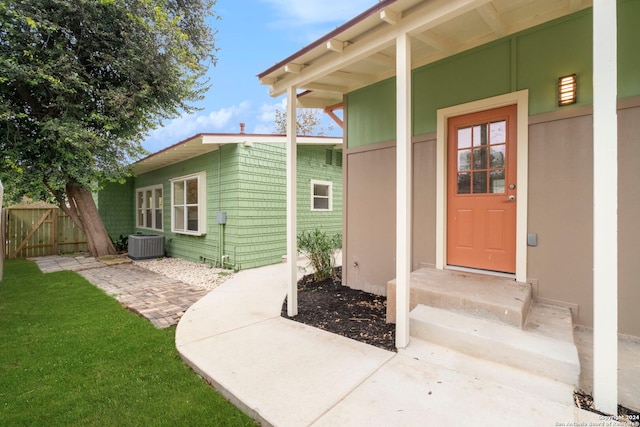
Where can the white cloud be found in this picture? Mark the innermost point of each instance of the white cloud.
(266, 116)
(301, 13)
(190, 124)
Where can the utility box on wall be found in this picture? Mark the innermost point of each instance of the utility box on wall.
(221, 217)
(145, 246)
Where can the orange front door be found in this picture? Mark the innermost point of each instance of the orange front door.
(482, 190)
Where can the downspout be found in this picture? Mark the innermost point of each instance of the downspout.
(220, 223)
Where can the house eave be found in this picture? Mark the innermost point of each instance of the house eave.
(204, 143)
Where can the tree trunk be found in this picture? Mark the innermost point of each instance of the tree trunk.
(83, 212)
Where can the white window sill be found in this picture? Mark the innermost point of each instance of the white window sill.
(189, 233)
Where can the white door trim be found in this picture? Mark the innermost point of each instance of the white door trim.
(521, 99)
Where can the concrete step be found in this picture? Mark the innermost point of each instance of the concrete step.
(507, 376)
(544, 347)
(497, 298)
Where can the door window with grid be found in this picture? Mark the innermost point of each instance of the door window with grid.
(481, 158)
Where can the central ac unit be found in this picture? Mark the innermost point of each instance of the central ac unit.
(145, 246)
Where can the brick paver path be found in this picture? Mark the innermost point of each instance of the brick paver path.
(156, 297)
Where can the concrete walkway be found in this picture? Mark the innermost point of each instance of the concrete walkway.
(284, 373)
(163, 301)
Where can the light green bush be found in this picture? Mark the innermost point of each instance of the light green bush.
(320, 249)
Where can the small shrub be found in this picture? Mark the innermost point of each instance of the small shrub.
(319, 248)
(121, 243)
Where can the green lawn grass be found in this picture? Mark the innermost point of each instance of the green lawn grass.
(71, 355)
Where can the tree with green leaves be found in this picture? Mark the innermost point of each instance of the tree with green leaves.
(308, 122)
(81, 84)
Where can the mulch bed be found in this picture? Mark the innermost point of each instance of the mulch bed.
(585, 401)
(361, 316)
(341, 310)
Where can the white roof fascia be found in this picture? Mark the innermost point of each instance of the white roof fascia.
(269, 139)
(205, 143)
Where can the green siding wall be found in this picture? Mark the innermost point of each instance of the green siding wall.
(313, 165)
(372, 114)
(259, 235)
(628, 52)
(250, 186)
(532, 59)
(181, 245)
(561, 48)
(477, 74)
(259, 228)
(115, 202)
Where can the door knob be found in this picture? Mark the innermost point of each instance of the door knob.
(511, 198)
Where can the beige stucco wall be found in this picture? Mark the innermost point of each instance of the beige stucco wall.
(629, 221)
(369, 240)
(560, 212)
(370, 217)
(424, 202)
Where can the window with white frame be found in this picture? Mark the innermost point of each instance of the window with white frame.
(188, 204)
(321, 195)
(149, 207)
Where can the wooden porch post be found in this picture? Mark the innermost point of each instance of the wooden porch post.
(292, 244)
(605, 206)
(403, 187)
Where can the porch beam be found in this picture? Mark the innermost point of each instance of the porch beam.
(490, 16)
(403, 187)
(329, 110)
(317, 101)
(322, 87)
(270, 81)
(293, 68)
(381, 59)
(436, 42)
(575, 5)
(292, 232)
(335, 45)
(347, 75)
(390, 16)
(605, 206)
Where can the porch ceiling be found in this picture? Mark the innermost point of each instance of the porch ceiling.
(362, 51)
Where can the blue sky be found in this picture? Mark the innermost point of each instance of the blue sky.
(252, 36)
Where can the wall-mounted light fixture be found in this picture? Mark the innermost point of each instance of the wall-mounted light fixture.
(567, 88)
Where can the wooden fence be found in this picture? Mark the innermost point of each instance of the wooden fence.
(33, 232)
